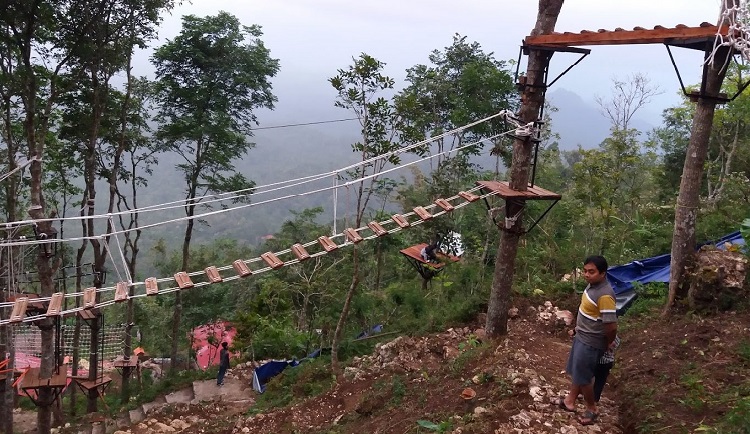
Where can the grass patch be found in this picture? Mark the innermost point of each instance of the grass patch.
(737, 420)
(469, 351)
(743, 352)
(695, 395)
(398, 390)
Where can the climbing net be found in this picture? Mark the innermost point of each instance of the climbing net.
(734, 31)
(28, 343)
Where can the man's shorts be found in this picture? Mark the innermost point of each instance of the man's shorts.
(582, 362)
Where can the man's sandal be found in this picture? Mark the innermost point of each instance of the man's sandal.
(560, 402)
(588, 418)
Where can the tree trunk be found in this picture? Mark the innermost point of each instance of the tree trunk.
(335, 365)
(686, 209)
(532, 101)
(76, 360)
(93, 395)
(6, 391)
(127, 351)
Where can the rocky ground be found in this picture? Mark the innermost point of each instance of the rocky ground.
(459, 382)
(455, 380)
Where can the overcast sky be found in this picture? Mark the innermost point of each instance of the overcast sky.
(314, 38)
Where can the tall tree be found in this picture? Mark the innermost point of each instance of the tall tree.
(359, 89)
(532, 100)
(40, 39)
(115, 29)
(209, 80)
(611, 181)
(461, 85)
(727, 149)
(133, 127)
(686, 209)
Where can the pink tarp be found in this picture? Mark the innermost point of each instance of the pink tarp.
(207, 341)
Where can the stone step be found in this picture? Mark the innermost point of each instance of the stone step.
(136, 415)
(232, 390)
(158, 402)
(181, 396)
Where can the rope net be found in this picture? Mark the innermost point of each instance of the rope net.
(28, 343)
(736, 21)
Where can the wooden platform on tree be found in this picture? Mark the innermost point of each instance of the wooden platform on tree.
(680, 35)
(34, 305)
(130, 362)
(415, 252)
(32, 380)
(86, 384)
(88, 314)
(502, 189)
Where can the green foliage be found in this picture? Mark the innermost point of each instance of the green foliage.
(304, 381)
(466, 355)
(743, 351)
(737, 419)
(206, 104)
(695, 397)
(651, 297)
(398, 390)
(442, 427)
(471, 342)
(462, 84)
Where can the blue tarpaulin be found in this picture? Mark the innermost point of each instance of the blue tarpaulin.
(654, 269)
(268, 370)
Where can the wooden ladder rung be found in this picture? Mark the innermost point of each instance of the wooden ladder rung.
(121, 292)
(152, 286)
(272, 260)
(444, 204)
(327, 244)
(377, 229)
(183, 280)
(213, 274)
(19, 309)
(422, 213)
(400, 221)
(470, 197)
(55, 304)
(300, 252)
(241, 268)
(352, 235)
(89, 298)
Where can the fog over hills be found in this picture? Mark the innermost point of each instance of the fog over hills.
(582, 123)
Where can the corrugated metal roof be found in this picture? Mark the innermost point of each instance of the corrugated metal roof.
(638, 35)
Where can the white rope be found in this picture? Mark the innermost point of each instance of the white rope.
(736, 21)
(282, 184)
(122, 256)
(289, 196)
(17, 168)
(111, 258)
(335, 201)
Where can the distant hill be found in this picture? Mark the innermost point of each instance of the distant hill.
(581, 122)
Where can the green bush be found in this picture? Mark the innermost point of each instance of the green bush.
(737, 419)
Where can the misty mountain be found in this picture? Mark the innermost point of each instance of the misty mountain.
(582, 123)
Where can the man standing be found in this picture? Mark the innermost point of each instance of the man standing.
(596, 329)
(223, 364)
